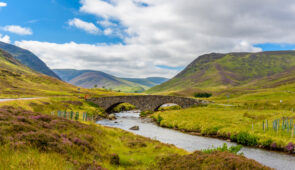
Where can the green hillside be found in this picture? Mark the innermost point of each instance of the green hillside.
(148, 82)
(91, 78)
(234, 71)
(17, 80)
(28, 59)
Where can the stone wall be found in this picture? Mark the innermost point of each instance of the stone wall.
(144, 103)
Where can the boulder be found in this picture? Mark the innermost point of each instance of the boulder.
(134, 128)
(112, 117)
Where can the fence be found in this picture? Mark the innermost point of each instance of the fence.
(74, 115)
(283, 126)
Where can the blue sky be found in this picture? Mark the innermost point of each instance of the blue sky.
(141, 38)
(48, 20)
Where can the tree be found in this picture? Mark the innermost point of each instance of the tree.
(95, 86)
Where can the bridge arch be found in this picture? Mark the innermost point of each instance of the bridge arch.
(161, 105)
(144, 102)
(111, 108)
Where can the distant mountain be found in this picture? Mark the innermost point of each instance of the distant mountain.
(18, 80)
(90, 78)
(148, 82)
(28, 58)
(218, 72)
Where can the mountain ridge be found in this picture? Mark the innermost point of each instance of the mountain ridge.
(28, 59)
(219, 71)
(90, 78)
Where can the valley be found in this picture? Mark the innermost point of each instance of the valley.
(42, 140)
(147, 85)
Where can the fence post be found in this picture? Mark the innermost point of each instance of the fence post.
(77, 116)
(71, 116)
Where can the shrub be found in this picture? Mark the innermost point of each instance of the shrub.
(115, 159)
(215, 160)
(246, 139)
(290, 147)
(267, 143)
(145, 113)
(174, 107)
(274, 146)
(224, 148)
(159, 119)
(203, 95)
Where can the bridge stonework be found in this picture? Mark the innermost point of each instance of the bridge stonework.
(144, 102)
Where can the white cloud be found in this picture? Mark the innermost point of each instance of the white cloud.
(108, 31)
(172, 33)
(106, 23)
(244, 46)
(17, 30)
(5, 38)
(3, 4)
(107, 58)
(86, 26)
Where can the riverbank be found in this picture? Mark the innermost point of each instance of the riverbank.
(232, 123)
(191, 143)
(31, 138)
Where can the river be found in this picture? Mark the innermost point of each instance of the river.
(147, 128)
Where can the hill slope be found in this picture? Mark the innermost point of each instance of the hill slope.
(28, 58)
(217, 72)
(90, 78)
(18, 80)
(149, 82)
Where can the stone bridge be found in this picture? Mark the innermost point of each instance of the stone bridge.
(144, 102)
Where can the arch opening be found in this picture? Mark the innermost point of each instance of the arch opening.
(120, 107)
(168, 106)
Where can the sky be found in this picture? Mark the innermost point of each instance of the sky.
(144, 38)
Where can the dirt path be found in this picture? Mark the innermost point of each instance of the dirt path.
(8, 100)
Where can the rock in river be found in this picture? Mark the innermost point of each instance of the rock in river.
(134, 128)
(112, 117)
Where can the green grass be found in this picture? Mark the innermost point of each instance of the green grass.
(230, 122)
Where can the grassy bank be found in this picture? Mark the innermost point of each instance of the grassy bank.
(54, 104)
(241, 125)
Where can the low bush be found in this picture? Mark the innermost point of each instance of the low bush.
(224, 148)
(174, 107)
(146, 113)
(290, 147)
(215, 160)
(159, 118)
(203, 95)
(245, 138)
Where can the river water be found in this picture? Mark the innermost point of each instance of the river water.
(125, 120)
